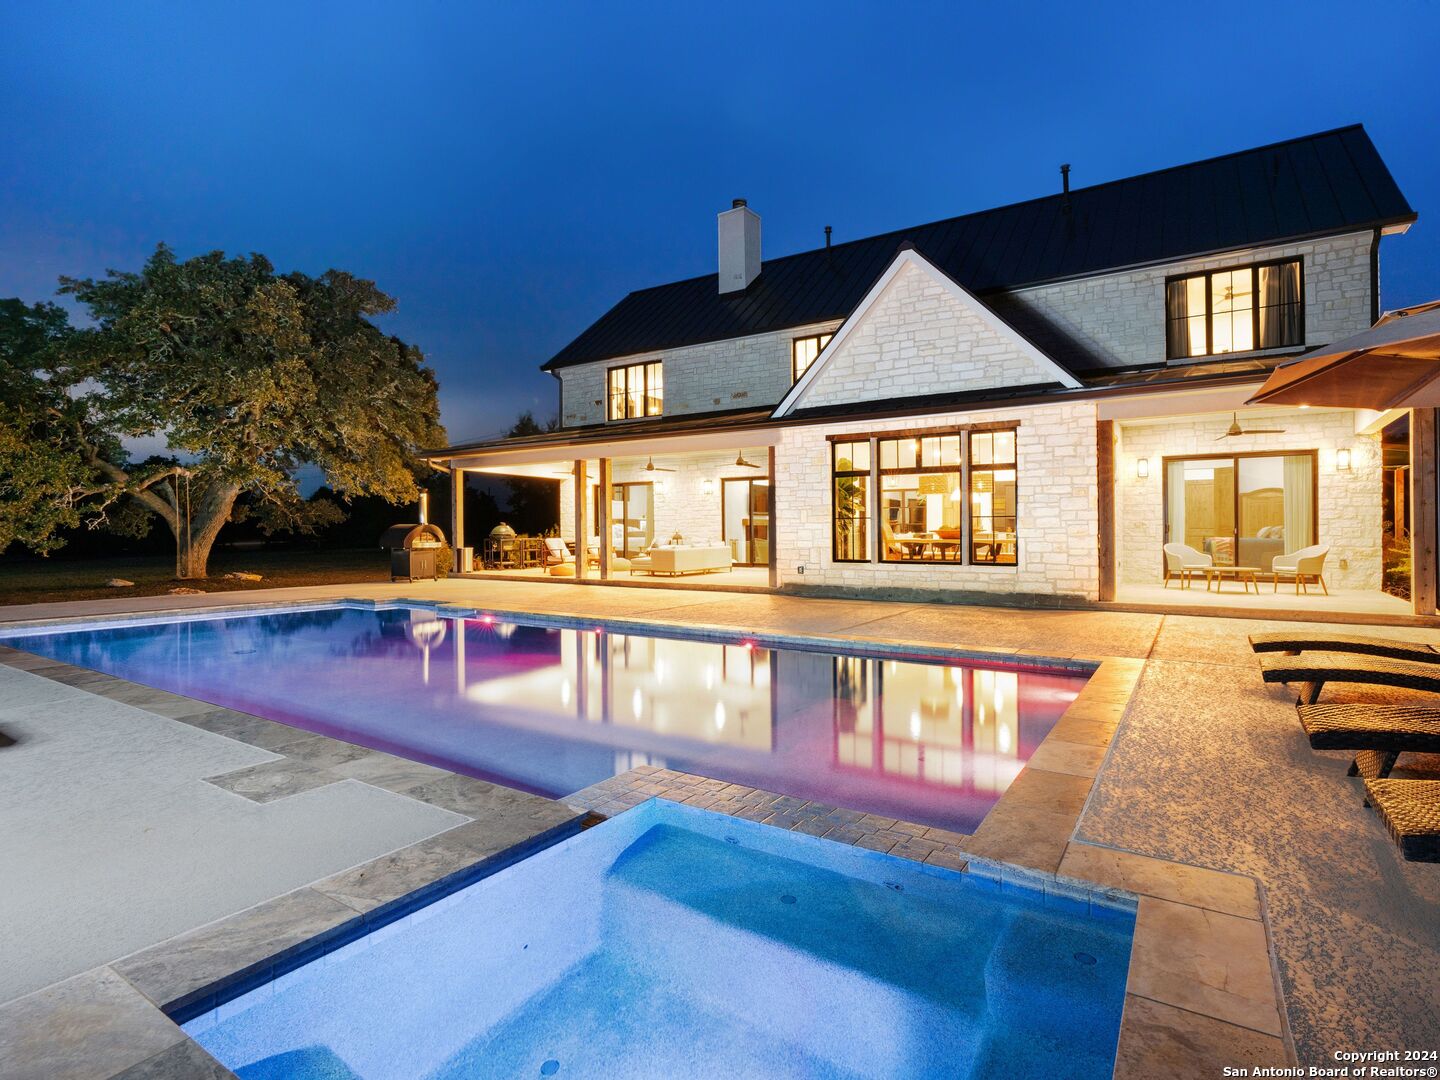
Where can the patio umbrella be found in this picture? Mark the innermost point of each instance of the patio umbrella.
(1393, 365)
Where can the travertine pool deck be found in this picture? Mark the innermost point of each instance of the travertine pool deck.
(1206, 772)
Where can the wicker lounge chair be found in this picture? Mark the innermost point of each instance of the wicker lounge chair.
(1381, 733)
(1298, 641)
(1314, 670)
(1411, 811)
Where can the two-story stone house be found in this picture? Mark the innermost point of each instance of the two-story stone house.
(1027, 403)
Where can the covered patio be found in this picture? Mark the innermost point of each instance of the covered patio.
(646, 505)
(1227, 508)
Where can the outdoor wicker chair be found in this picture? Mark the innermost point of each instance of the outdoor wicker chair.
(1183, 561)
(1411, 811)
(1380, 733)
(1314, 670)
(1298, 641)
(1304, 565)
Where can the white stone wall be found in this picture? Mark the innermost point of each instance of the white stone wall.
(1349, 510)
(1057, 509)
(748, 372)
(919, 338)
(1118, 320)
(680, 503)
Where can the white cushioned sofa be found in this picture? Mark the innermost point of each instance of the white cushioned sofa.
(676, 559)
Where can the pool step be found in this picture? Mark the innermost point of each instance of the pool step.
(1055, 997)
(813, 956)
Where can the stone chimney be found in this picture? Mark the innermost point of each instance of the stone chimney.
(739, 248)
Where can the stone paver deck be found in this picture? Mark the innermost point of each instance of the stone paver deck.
(1208, 772)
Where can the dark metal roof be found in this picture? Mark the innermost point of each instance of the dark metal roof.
(1326, 183)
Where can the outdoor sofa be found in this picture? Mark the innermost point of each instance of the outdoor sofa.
(678, 559)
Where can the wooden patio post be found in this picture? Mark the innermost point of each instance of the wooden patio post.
(606, 519)
(1423, 499)
(457, 515)
(773, 561)
(1105, 481)
(582, 564)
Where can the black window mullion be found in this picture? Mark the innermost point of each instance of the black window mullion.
(1254, 308)
(967, 554)
(1209, 314)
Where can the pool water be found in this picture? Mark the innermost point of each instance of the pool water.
(553, 710)
(674, 942)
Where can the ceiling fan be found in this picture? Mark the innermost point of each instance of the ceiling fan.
(650, 466)
(740, 462)
(1236, 429)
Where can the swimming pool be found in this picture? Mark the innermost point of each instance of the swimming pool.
(675, 942)
(553, 709)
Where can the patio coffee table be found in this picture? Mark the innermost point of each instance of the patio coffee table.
(1243, 574)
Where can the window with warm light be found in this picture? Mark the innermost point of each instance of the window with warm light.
(1237, 309)
(636, 390)
(920, 505)
(803, 351)
(993, 539)
(850, 490)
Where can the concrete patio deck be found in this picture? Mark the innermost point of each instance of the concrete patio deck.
(1208, 768)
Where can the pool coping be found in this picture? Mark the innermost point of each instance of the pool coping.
(1200, 934)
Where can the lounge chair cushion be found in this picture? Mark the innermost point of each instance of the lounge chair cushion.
(1411, 811)
(1298, 641)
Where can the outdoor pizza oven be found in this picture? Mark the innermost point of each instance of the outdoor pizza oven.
(413, 551)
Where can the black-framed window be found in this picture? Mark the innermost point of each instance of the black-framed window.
(850, 490)
(636, 390)
(920, 498)
(803, 351)
(1235, 309)
(994, 537)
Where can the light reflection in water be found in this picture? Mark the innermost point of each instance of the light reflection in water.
(555, 710)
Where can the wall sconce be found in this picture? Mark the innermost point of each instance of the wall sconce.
(1342, 460)
(1142, 467)
(707, 487)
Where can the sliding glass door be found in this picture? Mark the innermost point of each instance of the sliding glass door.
(745, 515)
(1241, 509)
(632, 527)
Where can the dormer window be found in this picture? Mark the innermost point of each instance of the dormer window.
(803, 351)
(636, 390)
(1238, 309)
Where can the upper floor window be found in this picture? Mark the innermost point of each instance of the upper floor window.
(636, 390)
(803, 351)
(1235, 310)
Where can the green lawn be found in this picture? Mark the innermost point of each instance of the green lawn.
(36, 581)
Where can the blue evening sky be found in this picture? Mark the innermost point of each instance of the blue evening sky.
(509, 171)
